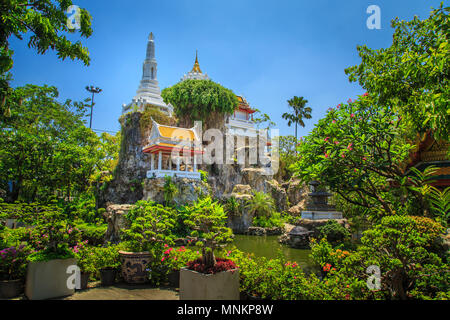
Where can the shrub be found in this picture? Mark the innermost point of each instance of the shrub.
(13, 262)
(85, 255)
(93, 233)
(106, 257)
(208, 219)
(170, 190)
(260, 204)
(151, 226)
(221, 265)
(274, 220)
(334, 232)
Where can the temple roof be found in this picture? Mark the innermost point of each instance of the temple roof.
(243, 105)
(196, 73)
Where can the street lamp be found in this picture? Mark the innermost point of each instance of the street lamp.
(93, 90)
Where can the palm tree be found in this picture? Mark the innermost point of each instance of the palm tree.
(300, 112)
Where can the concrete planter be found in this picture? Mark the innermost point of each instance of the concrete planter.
(48, 279)
(134, 265)
(10, 288)
(199, 286)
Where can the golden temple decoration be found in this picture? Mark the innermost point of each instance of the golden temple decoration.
(196, 67)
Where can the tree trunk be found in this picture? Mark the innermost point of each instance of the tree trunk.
(208, 257)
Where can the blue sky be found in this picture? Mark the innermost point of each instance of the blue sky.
(267, 51)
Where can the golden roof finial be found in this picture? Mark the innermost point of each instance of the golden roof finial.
(196, 67)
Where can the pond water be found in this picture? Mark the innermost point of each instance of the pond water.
(268, 246)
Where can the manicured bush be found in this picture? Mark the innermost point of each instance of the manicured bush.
(13, 262)
(334, 232)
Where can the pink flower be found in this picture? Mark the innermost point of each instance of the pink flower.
(343, 155)
(364, 158)
(336, 142)
(354, 170)
(365, 94)
(334, 121)
(295, 277)
(166, 245)
(162, 259)
(326, 139)
(326, 155)
(349, 100)
(349, 147)
(338, 106)
(69, 231)
(352, 115)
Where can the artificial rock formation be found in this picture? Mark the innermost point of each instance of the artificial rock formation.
(115, 217)
(188, 190)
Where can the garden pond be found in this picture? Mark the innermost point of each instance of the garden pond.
(269, 247)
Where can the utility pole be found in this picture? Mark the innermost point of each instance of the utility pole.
(93, 90)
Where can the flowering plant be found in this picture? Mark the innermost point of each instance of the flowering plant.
(85, 257)
(13, 262)
(174, 259)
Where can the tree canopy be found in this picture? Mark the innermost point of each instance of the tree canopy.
(198, 99)
(412, 74)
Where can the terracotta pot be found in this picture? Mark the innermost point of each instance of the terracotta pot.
(134, 266)
(107, 276)
(10, 288)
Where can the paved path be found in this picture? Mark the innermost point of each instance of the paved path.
(125, 292)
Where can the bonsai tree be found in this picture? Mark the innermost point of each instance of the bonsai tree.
(151, 226)
(207, 219)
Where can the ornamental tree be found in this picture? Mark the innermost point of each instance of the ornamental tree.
(356, 150)
(207, 219)
(151, 226)
(199, 100)
(412, 74)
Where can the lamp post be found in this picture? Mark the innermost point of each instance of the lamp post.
(93, 90)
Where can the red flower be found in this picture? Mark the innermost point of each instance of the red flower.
(334, 121)
(352, 115)
(365, 94)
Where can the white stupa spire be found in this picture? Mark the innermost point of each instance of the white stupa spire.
(149, 91)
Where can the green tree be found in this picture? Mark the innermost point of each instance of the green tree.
(300, 112)
(207, 218)
(46, 20)
(200, 100)
(45, 146)
(412, 75)
(357, 150)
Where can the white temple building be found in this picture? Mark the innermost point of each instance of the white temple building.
(148, 92)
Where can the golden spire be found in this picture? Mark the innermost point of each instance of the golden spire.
(196, 67)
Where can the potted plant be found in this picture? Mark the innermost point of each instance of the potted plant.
(47, 275)
(85, 261)
(107, 262)
(13, 266)
(209, 278)
(150, 226)
(173, 260)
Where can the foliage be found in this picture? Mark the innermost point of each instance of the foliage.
(274, 220)
(412, 75)
(170, 190)
(207, 219)
(176, 258)
(300, 112)
(45, 20)
(262, 118)
(400, 245)
(221, 265)
(287, 152)
(198, 99)
(106, 257)
(93, 233)
(334, 232)
(151, 225)
(13, 262)
(204, 175)
(260, 205)
(85, 256)
(45, 148)
(357, 150)
(232, 206)
(51, 234)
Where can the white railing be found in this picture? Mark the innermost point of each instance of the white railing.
(173, 173)
(319, 215)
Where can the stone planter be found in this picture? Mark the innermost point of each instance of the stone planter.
(48, 279)
(134, 265)
(10, 288)
(107, 276)
(199, 286)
